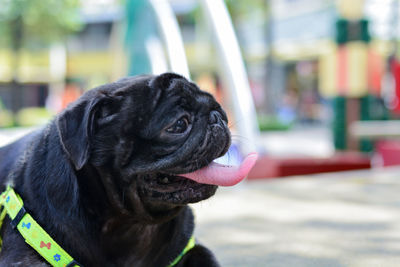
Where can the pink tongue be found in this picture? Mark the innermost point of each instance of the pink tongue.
(223, 175)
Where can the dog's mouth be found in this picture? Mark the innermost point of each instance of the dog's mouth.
(181, 189)
(177, 190)
(223, 175)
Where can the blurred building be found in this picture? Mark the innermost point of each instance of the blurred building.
(94, 53)
(332, 56)
(304, 38)
(88, 58)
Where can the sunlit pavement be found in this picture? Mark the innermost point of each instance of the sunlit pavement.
(307, 141)
(345, 219)
(9, 135)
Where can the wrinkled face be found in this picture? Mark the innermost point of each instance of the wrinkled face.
(180, 130)
(149, 129)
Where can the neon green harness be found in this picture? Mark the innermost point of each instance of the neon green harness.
(37, 237)
(188, 247)
(32, 232)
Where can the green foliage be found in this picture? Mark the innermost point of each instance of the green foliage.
(242, 10)
(6, 118)
(271, 123)
(25, 21)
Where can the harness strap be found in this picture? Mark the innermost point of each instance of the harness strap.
(21, 213)
(32, 232)
(2, 216)
(12, 204)
(189, 246)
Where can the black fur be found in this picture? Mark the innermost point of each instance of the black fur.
(102, 177)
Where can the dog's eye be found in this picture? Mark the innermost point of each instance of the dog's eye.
(179, 126)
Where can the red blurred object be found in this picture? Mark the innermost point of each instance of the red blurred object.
(269, 167)
(389, 150)
(395, 67)
(375, 72)
(71, 93)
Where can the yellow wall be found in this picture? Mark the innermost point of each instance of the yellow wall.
(35, 67)
(89, 63)
(32, 67)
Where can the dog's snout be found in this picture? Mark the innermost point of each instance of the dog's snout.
(214, 117)
(217, 116)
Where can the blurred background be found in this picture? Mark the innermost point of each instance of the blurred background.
(312, 85)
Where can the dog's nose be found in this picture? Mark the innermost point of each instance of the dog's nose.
(214, 117)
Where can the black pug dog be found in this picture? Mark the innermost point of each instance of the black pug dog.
(109, 179)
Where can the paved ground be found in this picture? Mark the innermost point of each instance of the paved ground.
(346, 219)
(9, 135)
(315, 141)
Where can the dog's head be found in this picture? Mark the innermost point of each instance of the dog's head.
(144, 132)
(152, 141)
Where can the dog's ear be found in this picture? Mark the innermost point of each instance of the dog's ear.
(75, 127)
